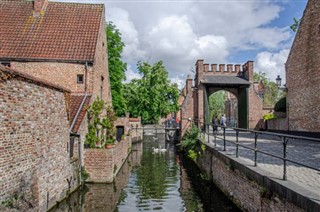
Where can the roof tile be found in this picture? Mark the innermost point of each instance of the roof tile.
(66, 31)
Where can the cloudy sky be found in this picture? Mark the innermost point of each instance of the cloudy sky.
(179, 32)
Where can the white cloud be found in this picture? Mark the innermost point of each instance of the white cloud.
(173, 40)
(131, 74)
(272, 64)
(180, 32)
(129, 34)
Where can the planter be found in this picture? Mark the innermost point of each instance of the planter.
(108, 146)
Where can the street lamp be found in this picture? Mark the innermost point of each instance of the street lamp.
(278, 81)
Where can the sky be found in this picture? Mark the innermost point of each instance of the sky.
(179, 32)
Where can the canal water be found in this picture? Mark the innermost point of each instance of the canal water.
(151, 181)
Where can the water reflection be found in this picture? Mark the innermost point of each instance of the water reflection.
(151, 182)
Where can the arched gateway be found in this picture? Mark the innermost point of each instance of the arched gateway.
(232, 78)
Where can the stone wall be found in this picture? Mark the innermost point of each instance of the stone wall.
(34, 133)
(278, 124)
(302, 73)
(103, 164)
(250, 187)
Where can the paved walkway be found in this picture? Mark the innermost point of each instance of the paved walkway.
(302, 151)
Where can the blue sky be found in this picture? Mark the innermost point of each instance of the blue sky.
(179, 32)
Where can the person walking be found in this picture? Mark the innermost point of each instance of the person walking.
(215, 123)
(223, 121)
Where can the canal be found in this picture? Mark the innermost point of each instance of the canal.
(151, 181)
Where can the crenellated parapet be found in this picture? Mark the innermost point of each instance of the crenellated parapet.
(245, 70)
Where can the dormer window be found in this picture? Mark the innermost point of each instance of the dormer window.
(80, 78)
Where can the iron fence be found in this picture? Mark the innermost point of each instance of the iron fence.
(250, 141)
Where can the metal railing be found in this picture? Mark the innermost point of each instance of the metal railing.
(285, 138)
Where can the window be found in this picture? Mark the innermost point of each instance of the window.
(6, 64)
(80, 78)
(101, 86)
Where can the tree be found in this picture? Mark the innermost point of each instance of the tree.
(271, 91)
(116, 68)
(217, 103)
(153, 96)
(294, 27)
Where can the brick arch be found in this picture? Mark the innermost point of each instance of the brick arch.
(212, 90)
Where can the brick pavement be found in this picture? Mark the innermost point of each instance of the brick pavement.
(302, 151)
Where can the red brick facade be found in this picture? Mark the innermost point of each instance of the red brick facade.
(34, 135)
(36, 99)
(103, 164)
(303, 73)
(192, 107)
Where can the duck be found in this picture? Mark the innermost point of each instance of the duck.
(155, 150)
(162, 150)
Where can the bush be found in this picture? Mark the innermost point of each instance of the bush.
(269, 116)
(281, 105)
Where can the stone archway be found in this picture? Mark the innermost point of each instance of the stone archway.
(236, 79)
(233, 79)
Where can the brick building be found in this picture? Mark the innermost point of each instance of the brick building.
(56, 61)
(231, 78)
(302, 73)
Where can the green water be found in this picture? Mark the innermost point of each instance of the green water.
(151, 181)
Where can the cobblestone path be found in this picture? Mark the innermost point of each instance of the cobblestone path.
(303, 151)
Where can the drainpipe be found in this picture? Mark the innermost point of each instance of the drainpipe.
(76, 117)
(79, 153)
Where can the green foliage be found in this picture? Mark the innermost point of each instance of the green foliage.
(153, 96)
(281, 105)
(189, 142)
(295, 25)
(217, 103)
(269, 116)
(100, 124)
(116, 68)
(271, 91)
(84, 174)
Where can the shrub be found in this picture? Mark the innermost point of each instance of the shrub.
(269, 116)
(281, 105)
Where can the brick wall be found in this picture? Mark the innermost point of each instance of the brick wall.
(136, 129)
(193, 102)
(63, 74)
(34, 160)
(103, 164)
(250, 190)
(302, 73)
(100, 66)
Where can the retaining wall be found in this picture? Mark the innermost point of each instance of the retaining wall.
(102, 165)
(251, 188)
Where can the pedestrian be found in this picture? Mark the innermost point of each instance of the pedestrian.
(223, 121)
(215, 123)
(177, 121)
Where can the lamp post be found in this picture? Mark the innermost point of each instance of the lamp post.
(278, 81)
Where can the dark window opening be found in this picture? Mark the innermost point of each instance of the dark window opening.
(120, 132)
(6, 64)
(101, 86)
(80, 78)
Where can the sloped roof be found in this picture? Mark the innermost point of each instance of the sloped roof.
(75, 103)
(225, 80)
(66, 31)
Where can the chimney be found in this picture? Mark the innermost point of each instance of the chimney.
(189, 83)
(39, 6)
(214, 67)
